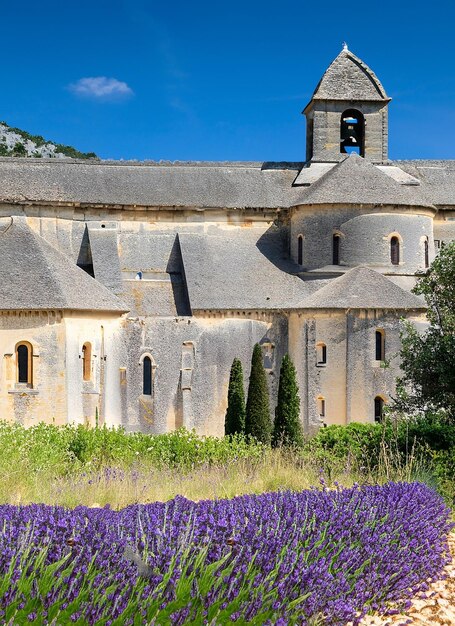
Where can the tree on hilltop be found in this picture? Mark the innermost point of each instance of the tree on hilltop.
(257, 422)
(287, 430)
(235, 413)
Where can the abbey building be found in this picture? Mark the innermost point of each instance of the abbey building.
(126, 290)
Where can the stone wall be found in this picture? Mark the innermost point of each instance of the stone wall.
(364, 237)
(352, 377)
(444, 228)
(100, 395)
(323, 129)
(192, 354)
(192, 357)
(44, 397)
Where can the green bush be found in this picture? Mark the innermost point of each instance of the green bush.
(235, 413)
(258, 423)
(66, 449)
(426, 442)
(287, 428)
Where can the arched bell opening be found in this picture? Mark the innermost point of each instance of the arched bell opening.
(352, 132)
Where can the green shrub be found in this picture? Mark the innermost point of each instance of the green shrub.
(257, 421)
(425, 446)
(61, 450)
(235, 412)
(287, 428)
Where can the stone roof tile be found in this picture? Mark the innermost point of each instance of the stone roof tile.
(225, 185)
(212, 185)
(36, 276)
(240, 270)
(349, 78)
(356, 181)
(362, 288)
(437, 179)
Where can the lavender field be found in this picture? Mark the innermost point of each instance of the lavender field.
(314, 557)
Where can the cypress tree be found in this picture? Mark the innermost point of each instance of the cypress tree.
(287, 430)
(258, 422)
(235, 413)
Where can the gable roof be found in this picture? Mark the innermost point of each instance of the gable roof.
(437, 178)
(36, 276)
(349, 78)
(225, 185)
(362, 288)
(356, 181)
(118, 184)
(232, 269)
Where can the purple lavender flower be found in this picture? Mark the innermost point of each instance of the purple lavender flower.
(335, 554)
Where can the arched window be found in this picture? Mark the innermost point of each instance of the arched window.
(378, 408)
(300, 250)
(426, 252)
(147, 376)
(336, 250)
(87, 361)
(395, 250)
(24, 355)
(380, 345)
(321, 354)
(352, 127)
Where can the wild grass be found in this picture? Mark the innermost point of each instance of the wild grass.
(109, 470)
(278, 469)
(76, 465)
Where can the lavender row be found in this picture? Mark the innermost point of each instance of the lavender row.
(278, 558)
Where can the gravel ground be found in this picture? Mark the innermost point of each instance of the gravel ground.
(437, 608)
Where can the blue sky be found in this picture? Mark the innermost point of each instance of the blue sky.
(209, 80)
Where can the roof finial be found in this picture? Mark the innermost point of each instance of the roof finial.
(345, 46)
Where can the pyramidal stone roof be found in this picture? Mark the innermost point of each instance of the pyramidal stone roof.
(362, 288)
(36, 276)
(356, 181)
(349, 78)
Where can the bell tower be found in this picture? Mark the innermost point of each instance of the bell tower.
(347, 113)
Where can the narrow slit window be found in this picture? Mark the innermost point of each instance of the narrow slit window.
(378, 409)
(321, 407)
(426, 253)
(395, 251)
(321, 354)
(147, 376)
(380, 345)
(336, 250)
(87, 361)
(300, 250)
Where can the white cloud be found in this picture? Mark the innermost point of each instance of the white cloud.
(100, 87)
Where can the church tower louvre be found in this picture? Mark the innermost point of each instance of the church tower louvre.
(347, 113)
